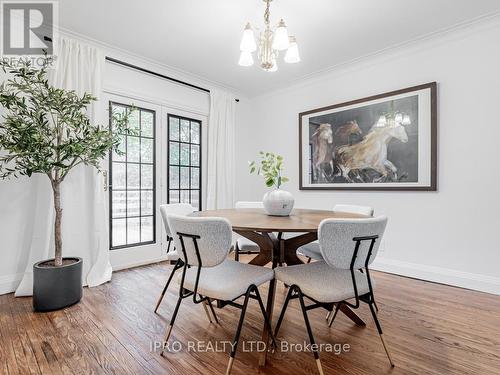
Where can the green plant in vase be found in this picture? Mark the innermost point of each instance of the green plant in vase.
(277, 202)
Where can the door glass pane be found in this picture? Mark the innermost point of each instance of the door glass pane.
(146, 176)
(195, 178)
(173, 196)
(133, 123)
(133, 149)
(174, 128)
(132, 176)
(174, 153)
(195, 155)
(146, 203)
(121, 150)
(195, 199)
(119, 175)
(184, 178)
(146, 150)
(133, 203)
(185, 131)
(133, 230)
(174, 178)
(119, 204)
(185, 196)
(195, 132)
(147, 229)
(184, 154)
(147, 124)
(119, 232)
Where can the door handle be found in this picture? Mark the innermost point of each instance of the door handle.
(105, 181)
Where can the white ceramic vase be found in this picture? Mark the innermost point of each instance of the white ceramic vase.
(278, 202)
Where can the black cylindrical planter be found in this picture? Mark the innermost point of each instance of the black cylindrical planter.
(57, 287)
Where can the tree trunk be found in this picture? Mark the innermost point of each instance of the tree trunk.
(57, 225)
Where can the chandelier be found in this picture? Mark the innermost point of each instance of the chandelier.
(271, 42)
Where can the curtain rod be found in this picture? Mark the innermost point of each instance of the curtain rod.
(128, 65)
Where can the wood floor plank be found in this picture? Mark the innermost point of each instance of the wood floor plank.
(431, 329)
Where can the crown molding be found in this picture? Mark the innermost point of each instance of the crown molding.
(426, 41)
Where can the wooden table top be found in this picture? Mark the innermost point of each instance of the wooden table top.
(255, 219)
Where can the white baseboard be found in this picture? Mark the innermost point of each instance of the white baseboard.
(9, 283)
(124, 266)
(488, 284)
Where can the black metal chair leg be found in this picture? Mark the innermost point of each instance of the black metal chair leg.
(205, 303)
(283, 310)
(309, 332)
(337, 308)
(169, 239)
(238, 332)
(266, 317)
(236, 252)
(176, 267)
(212, 309)
(171, 325)
(381, 334)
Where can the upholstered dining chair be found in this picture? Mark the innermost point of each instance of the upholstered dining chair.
(244, 245)
(348, 247)
(208, 274)
(172, 254)
(311, 250)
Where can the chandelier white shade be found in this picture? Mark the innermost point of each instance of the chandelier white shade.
(292, 54)
(280, 40)
(248, 41)
(246, 59)
(269, 44)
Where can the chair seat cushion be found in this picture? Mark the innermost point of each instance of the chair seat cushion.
(321, 282)
(228, 280)
(173, 255)
(311, 250)
(244, 244)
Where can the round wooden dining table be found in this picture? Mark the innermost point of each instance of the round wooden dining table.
(275, 248)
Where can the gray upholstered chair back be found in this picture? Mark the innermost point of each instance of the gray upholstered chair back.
(337, 245)
(183, 209)
(245, 204)
(353, 209)
(214, 242)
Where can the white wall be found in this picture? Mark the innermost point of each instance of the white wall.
(446, 236)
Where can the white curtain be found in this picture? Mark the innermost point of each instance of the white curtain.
(220, 160)
(84, 226)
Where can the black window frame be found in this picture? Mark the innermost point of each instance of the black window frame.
(140, 189)
(179, 142)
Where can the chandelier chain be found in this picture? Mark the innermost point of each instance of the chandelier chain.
(267, 13)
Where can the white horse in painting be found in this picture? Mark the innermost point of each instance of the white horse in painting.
(371, 152)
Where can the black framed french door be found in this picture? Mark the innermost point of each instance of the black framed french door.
(132, 176)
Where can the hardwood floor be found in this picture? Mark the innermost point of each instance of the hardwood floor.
(430, 329)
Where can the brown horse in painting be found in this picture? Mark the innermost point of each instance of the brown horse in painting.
(371, 152)
(325, 144)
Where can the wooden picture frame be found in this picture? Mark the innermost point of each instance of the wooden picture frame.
(341, 147)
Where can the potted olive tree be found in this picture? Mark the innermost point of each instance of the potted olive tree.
(46, 130)
(276, 202)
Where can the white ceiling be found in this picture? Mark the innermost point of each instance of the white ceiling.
(202, 36)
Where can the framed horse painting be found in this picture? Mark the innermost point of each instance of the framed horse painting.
(383, 142)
